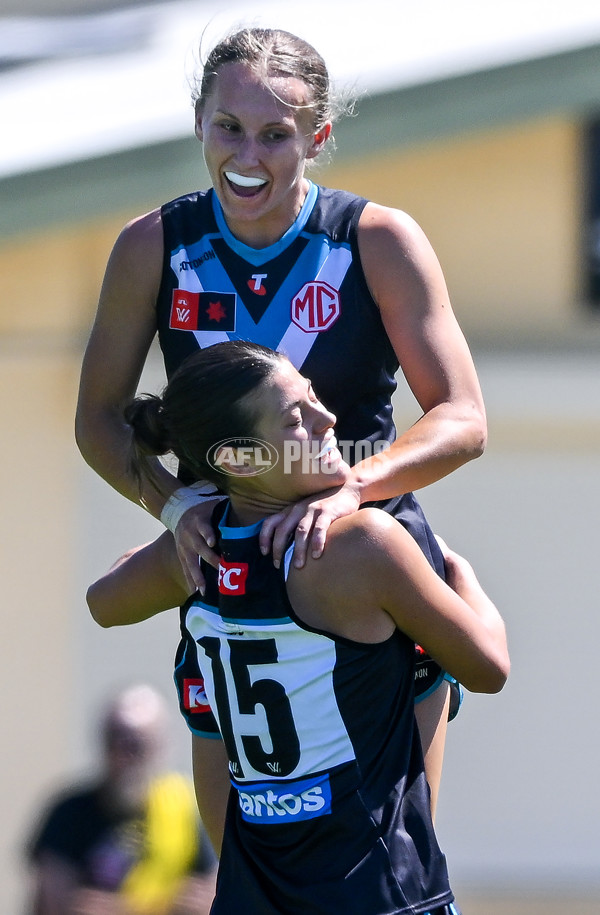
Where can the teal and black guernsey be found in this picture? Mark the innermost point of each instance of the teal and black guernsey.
(305, 296)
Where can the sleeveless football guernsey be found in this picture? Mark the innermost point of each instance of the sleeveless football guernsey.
(329, 810)
(306, 296)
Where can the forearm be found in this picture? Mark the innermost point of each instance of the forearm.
(104, 440)
(464, 581)
(440, 442)
(461, 577)
(212, 786)
(453, 620)
(143, 582)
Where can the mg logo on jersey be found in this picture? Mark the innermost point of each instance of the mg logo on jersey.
(232, 577)
(194, 697)
(316, 307)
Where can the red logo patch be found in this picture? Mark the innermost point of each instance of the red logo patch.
(202, 310)
(184, 310)
(256, 285)
(316, 307)
(194, 697)
(232, 577)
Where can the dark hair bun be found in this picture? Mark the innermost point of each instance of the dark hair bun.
(146, 417)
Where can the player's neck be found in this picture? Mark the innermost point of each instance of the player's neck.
(245, 510)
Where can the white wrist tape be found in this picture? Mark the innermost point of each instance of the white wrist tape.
(185, 497)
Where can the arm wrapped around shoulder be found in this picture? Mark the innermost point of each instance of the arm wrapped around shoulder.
(454, 621)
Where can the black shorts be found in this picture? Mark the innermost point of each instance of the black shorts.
(429, 676)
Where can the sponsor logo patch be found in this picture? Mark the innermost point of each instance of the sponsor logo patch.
(315, 307)
(194, 696)
(202, 310)
(278, 802)
(256, 285)
(196, 262)
(184, 310)
(232, 577)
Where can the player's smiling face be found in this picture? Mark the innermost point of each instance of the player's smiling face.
(295, 422)
(298, 429)
(257, 137)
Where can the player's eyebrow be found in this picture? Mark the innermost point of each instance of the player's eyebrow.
(297, 403)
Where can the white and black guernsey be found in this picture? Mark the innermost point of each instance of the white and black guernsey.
(329, 811)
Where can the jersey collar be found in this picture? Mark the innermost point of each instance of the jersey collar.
(259, 256)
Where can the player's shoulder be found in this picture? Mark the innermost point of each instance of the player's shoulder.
(395, 253)
(369, 543)
(378, 221)
(339, 591)
(140, 237)
(354, 543)
(144, 224)
(367, 525)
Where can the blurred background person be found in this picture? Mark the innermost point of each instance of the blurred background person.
(128, 841)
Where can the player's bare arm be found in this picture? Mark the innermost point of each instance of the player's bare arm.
(407, 283)
(123, 330)
(211, 780)
(143, 582)
(373, 577)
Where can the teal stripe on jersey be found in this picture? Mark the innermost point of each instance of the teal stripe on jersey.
(259, 256)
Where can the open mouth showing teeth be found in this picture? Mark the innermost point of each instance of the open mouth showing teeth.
(245, 180)
(329, 445)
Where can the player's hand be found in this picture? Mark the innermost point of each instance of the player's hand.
(195, 539)
(310, 519)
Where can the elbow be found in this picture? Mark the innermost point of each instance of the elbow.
(84, 437)
(480, 430)
(503, 671)
(496, 680)
(476, 440)
(97, 608)
(469, 433)
(96, 426)
(479, 445)
(490, 678)
(481, 439)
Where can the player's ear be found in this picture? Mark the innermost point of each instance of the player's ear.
(319, 140)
